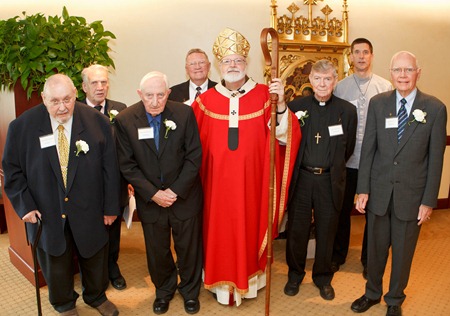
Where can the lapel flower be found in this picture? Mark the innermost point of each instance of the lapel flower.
(302, 115)
(419, 116)
(82, 147)
(112, 115)
(170, 125)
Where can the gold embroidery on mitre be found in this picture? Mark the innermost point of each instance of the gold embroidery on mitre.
(230, 42)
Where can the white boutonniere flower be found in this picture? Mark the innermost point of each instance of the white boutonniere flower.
(112, 115)
(82, 147)
(170, 125)
(302, 115)
(419, 116)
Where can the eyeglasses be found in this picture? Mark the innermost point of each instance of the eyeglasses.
(238, 61)
(66, 101)
(407, 71)
(198, 63)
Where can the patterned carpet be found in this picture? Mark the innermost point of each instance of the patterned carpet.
(427, 292)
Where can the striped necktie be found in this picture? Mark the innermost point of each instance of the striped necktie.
(199, 91)
(402, 119)
(63, 148)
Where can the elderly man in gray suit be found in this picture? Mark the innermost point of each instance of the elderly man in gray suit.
(399, 178)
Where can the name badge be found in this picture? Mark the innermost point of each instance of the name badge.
(335, 130)
(145, 133)
(47, 141)
(391, 122)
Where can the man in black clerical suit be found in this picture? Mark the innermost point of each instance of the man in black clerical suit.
(197, 69)
(96, 86)
(160, 156)
(328, 126)
(60, 165)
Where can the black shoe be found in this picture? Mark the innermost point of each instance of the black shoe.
(160, 306)
(394, 310)
(291, 288)
(364, 273)
(363, 303)
(327, 292)
(119, 283)
(192, 306)
(334, 267)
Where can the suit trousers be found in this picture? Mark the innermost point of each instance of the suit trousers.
(114, 248)
(384, 232)
(187, 238)
(58, 272)
(312, 192)
(342, 240)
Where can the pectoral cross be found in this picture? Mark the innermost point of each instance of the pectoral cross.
(317, 137)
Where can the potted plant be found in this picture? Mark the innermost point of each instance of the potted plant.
(35, 47)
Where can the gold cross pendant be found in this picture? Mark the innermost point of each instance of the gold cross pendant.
(317, 137)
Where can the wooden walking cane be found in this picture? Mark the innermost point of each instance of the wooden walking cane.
(35, 263)
(271, 61)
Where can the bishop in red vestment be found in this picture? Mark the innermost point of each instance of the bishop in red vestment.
(233, 122)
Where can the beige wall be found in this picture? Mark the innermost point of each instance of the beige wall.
(156, 34)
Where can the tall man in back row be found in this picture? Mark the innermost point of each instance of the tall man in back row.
(96, 86)
(60, 165)
(358, 89)
(399, 177)
(197, 68)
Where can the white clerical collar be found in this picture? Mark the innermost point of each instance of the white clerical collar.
(246, 88)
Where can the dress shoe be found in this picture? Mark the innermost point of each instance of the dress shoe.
(363, 303)
(394, 310)
(334, 267)
(119, 283)
(107, 308)
(364, 273)
(327, 292)
(160, 306)
(72, 312)
(291, 288)
(192, 306)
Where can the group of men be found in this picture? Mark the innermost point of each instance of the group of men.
(200, 175)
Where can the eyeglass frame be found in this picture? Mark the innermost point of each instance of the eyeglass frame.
(201, 63)
(399, 70)
(65, 101)
(237, 61)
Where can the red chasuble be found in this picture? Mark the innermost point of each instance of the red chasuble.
(235, 182)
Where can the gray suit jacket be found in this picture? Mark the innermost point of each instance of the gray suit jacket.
(410, 171)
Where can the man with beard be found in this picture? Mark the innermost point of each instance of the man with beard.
(233, 122)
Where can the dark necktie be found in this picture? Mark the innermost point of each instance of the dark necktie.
(199, 91)
(98, 107)
(402, 119)
(155, 124)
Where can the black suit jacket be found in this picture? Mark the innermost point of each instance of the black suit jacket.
(341, 147)
(176, 165)
(180, 92)
(118, 106)
(33, 179)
